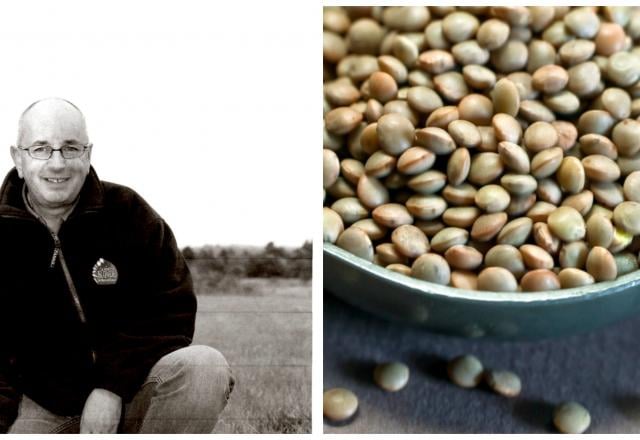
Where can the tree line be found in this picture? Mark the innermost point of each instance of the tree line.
(251, 261)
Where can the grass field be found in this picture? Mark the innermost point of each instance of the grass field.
(266, 338)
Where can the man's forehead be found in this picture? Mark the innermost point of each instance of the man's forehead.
(50, 120)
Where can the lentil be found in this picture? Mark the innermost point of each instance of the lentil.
(391, 376)
(571, 418)
(540, 280)
(507, 257)
(410, 241)
(431, 267)
(465, 371)
(339, 404)
(503, 382)
(497, 279)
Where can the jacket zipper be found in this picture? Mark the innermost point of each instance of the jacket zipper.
(57, 254)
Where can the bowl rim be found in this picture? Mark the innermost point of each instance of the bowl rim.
(454, 293)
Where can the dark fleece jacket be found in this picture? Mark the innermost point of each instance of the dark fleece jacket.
(50, 352)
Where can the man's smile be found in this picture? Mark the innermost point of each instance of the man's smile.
(56, 179)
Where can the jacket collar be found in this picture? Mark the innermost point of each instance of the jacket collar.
(91, 196)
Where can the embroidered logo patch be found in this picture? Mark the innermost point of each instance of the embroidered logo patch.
(104, 273)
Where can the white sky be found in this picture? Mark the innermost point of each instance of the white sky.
(209, 110)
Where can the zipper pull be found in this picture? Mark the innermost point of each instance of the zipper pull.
(56, 250)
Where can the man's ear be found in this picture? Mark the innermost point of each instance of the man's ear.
(17, 160)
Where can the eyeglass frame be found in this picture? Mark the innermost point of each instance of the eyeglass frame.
(85, 147)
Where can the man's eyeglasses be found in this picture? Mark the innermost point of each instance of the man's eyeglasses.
(44, 152)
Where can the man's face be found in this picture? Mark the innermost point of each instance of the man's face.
(53, 183)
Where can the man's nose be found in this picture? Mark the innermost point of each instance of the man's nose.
(56, 160)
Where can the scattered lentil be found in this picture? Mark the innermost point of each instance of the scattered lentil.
(465, 371)
(339, 404)
(571, 418)
(503, 382)
(391, 376)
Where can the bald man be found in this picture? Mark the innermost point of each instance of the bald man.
(97, 304)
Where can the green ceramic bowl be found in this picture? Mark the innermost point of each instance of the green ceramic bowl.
(478, 314)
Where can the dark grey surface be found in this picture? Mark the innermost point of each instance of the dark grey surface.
(599, 369)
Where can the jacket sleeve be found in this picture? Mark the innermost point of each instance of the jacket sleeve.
(161, 317)
(9, 396)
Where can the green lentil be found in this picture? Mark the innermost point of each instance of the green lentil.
(391, 376)
(465, 371)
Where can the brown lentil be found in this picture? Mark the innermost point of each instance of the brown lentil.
(423, 99)
(514, 157)
(431, 267)
(380, 164)
(410, 241)
(399, 268)
(448, 237)
(598, 144)
(464, 133)
(600, 264)
(535, 257)
(460, 195)
(626, 137)
(463, 279)
(478, 77)
(516, 232)
(357, 242)
(506, 98)
(461, 216)
(387, 253)
(631, 187)
(507, 257)
(476, 109)
(600, 168)
(458, 166)
(497, 279)
(519, 184)
(627, 217)
(539, 280)
(574, 254)
(549, 191)
(567, 134)
(607, 194)
(485, 168)
(436, 140)
(395, 133)
(428, 182)
(546, 162)
(544, 238)
(539, 136)
(371, 192)
(567, 223)
(540, 211)
(463, 257)
(506, 128)
(372, 229)
(571, 277)
(426, 207)
(392, 215)
(442, 117)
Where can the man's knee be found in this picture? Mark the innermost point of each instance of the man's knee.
(201, 366)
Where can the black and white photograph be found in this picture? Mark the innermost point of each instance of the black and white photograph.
(156, 229)
(481, 218)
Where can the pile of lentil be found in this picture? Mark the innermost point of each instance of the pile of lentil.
(486, 148)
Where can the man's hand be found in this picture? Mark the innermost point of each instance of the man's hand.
(101, 413)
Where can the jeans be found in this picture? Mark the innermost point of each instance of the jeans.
(185, 392)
